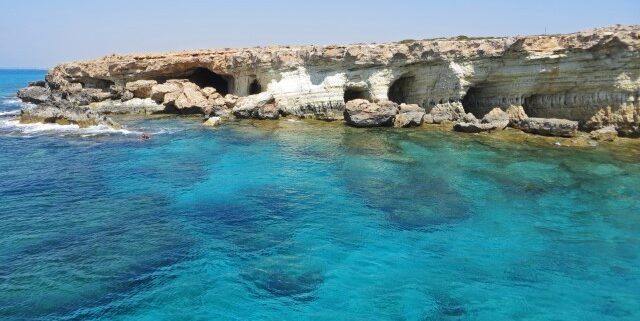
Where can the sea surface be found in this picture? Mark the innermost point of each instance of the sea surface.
(303, 220)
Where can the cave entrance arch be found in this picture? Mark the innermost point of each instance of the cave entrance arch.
(400, 89)
(472, 102)
(204, 77)
(255, 87)
(351, 93)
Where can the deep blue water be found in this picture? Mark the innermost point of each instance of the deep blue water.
(290, 220)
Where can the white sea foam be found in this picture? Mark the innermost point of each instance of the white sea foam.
(41, 128)
(7, 113)
(11, 101)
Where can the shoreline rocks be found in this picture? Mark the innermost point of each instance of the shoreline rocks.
(409, 115)
(548, 126)
(560, 81)
(363, 113)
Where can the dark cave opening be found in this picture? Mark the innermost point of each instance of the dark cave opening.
(356, 93)
(204, 77)
(471, 102)
(400, 89)
(255, 87)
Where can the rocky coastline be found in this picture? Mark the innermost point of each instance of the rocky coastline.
(551, 85)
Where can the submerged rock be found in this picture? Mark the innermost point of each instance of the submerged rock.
(212, 121)
(285, 276)
(363, 113)
(548, 126)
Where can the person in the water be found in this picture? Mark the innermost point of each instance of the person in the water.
(145, 136)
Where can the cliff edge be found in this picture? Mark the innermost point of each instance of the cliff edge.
(591, 78)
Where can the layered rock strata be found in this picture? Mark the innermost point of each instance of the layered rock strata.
(590, 78)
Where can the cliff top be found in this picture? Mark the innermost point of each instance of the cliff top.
(404, 52)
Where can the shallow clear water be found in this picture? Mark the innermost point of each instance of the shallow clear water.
(293, 221)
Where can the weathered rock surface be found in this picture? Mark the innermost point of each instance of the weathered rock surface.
(447, 112)
(363, 113)
(132, 106)
(549, 126)
(496, 119)
(80, 116)
(35, 94)
(516, 114)
(252, 106)
(141, 88)
(591, 77)
(409, 115)
(608, 133)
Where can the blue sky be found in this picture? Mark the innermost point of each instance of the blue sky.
(39, 33)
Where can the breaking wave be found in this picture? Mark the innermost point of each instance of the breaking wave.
(12, 101)
(8, 113)
(13, 125)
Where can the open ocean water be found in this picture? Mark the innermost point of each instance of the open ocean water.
(292, 220)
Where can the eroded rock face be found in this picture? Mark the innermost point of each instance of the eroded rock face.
(592, 77)
(35, 94)
(442, 113)
(81, 116)
(141, 88)
(363, 113)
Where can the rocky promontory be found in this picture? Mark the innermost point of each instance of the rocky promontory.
(549, 84)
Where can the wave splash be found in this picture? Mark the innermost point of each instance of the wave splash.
(10, 113)
(11, 101)
(14, 125)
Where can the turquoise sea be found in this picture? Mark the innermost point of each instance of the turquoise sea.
(299, 220)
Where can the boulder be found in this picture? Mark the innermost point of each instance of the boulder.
(212, 121)
(548, 126)
(159, 91)
(141, 88)
(496, 115)
(126, 95)
(191, 97)
(496, 119)
(363, 113)
(268, 111)
(608, 133)
(230, 100)
(516, 114)
(247, 107)
(445, 113)
(409, 115)
(34, 94)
